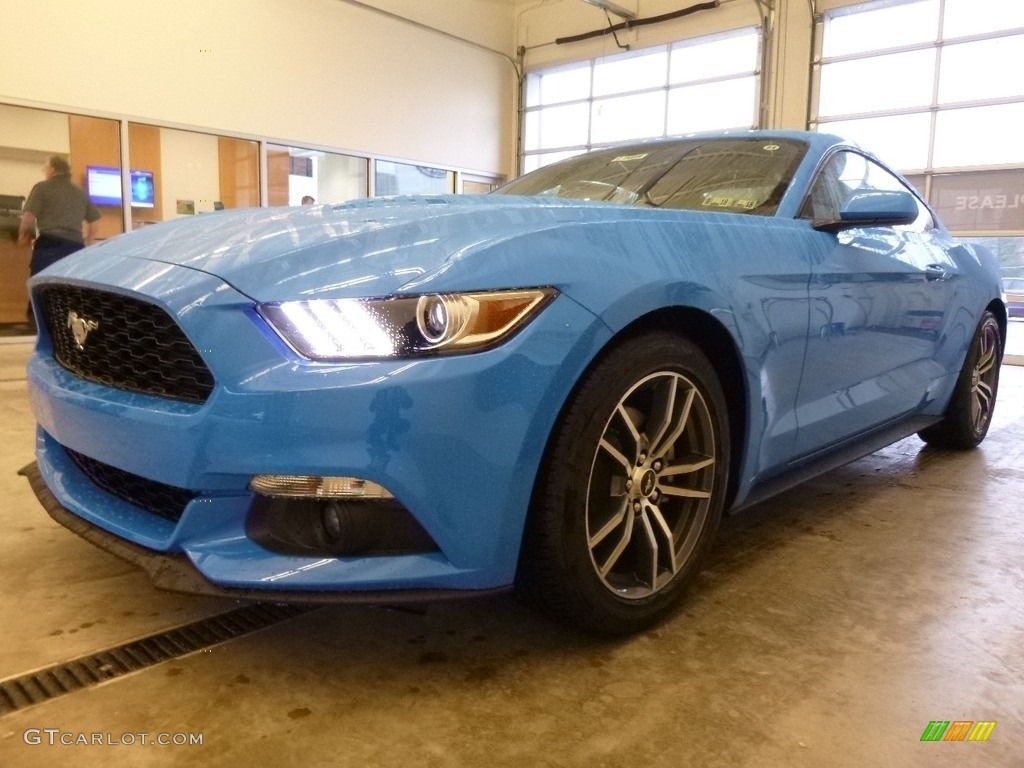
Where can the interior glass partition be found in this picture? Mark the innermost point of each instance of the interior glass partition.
(404, 179)
(28, 138)
(174, 172)
(295, 174)
(183, 173)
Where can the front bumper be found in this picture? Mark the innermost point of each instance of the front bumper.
(175, 573)
(457, 440)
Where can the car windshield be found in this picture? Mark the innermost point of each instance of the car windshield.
(740, 175)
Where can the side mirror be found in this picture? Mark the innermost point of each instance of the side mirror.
(877, 208)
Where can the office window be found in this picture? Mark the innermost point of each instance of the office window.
(294, 173)
(28, 137)
(693, 85)
(174, 172)
(189, 172)
(404, 179)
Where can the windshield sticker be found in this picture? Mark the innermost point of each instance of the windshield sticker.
(719, 202)
(771, 147)
(729, 202)
(628, 158)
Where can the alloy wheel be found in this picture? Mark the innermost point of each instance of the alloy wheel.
(985, 376)
(650, 485)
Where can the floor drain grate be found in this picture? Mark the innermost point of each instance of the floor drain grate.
(86, 671)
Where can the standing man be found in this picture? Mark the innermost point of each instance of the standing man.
(57, 208)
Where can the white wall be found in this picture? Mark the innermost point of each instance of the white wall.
(314, 71)
(29, 138)
(485, 22)
(189, 170)
(18, 176)
(30, 129)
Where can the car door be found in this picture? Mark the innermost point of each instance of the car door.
(877, 303)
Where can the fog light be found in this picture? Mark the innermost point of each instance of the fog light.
(316, 487)
(349, 527)
(313, 527)
(331, 518)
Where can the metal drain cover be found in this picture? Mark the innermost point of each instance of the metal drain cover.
(86, 671)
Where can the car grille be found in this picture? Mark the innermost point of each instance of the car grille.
(130, 344)
(167, 501)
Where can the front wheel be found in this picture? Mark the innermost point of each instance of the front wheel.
(632, 488)
(969, 415)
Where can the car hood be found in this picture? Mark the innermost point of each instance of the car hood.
(375, 247)
(382, 246)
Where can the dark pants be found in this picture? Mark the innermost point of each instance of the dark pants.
(49, 250)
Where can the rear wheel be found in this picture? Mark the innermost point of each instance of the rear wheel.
(632, 488)
(969, 415)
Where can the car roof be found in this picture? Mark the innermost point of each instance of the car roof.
(818, 142)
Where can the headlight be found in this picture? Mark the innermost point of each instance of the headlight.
(366, 329)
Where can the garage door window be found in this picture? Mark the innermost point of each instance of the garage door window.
(693, 85)
(933, 86)
(928, 84)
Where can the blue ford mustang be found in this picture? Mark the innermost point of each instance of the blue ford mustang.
(559, 387)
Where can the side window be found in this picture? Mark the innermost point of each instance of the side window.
(849, 172)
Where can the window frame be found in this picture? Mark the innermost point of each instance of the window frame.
(825, 162)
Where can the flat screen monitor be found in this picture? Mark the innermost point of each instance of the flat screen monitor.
(142, 189)
(103, 185)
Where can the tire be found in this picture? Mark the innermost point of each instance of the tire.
(969, 414)
(632, 488)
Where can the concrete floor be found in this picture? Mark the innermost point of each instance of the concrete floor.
(830, 626)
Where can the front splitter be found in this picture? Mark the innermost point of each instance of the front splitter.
(175, 572)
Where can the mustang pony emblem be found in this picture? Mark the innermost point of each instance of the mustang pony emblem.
(80, 328)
